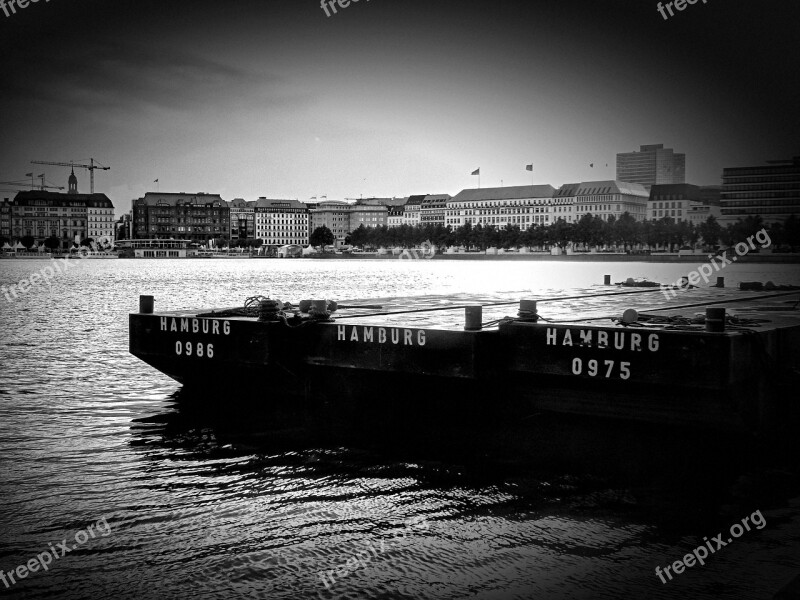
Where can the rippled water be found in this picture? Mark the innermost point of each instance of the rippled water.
(213, 505)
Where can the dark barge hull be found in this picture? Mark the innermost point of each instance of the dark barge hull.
(735, 380)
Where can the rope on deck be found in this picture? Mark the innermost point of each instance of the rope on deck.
(490, 304)
(696, 305)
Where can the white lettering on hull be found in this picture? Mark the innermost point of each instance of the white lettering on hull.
(208, 326)
(392, 335)
(591, 338)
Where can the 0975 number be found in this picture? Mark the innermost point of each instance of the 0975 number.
(594, 368)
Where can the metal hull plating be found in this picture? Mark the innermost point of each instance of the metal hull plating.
(676, 377)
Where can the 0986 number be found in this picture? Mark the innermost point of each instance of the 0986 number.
(197, 349)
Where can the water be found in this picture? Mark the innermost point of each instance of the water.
(188, 504)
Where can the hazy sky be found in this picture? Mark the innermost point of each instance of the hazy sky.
(389, 97)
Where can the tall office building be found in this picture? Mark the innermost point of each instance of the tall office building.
(771, 191)
(652, 165)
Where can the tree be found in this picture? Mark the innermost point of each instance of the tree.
(87, 242)
(358, 237)
(52, 243)
(791, 231)
(27, 241)
(321, 236)
(710, 231)
(625, 230)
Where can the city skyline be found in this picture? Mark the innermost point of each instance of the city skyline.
(387, 99)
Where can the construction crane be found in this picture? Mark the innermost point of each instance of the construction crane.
(42, 186)
(91, 167)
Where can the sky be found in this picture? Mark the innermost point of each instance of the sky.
(274, 98)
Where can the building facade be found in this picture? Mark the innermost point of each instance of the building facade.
(771, 191)
(611, 198)
(651, 165)
(333, 214)
(683, 202)
(368, 215)
(196, 217)
(243, 220)
(281, 222)
(564, 202)
(522, 205)
(394, 216)
(71, 218)
(411, 211)
(433, 208)
(5, 218)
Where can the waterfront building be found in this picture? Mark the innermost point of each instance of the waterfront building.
(411, 211)
(433, 208)
(564, 200)
(611, 198)
(683, 202)
(651, 165)
(123, 228)
(771, 191)
(5, 218)
(368, 215)
(394, 216)
(196, 217)
(281, 222)
(71, 217)
(522, 205)
(335, 215)
(243, 221)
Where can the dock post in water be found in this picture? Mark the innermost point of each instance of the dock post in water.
(720, 282)
(146, 305)
(473, 317)
(606, 279)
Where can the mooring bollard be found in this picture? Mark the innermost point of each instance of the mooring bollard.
(473, 318)
(146, 305)
(715, 319)
(528, 311)
(720, 282)
(630, 315)
(607, 280)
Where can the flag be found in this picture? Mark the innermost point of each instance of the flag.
(529, 167)
(323, 196)
(477, 171)
(28, 174)
(155, 181)
(42, 175)
(313, 198)
(591, 165)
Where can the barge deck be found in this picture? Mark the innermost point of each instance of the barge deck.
(601, 352)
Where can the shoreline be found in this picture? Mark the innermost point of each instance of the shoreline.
(651, 258)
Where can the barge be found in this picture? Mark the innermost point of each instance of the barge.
(684, 362)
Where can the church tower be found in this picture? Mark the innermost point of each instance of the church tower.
(73, 183)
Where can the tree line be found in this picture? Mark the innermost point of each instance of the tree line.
(590, 231)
